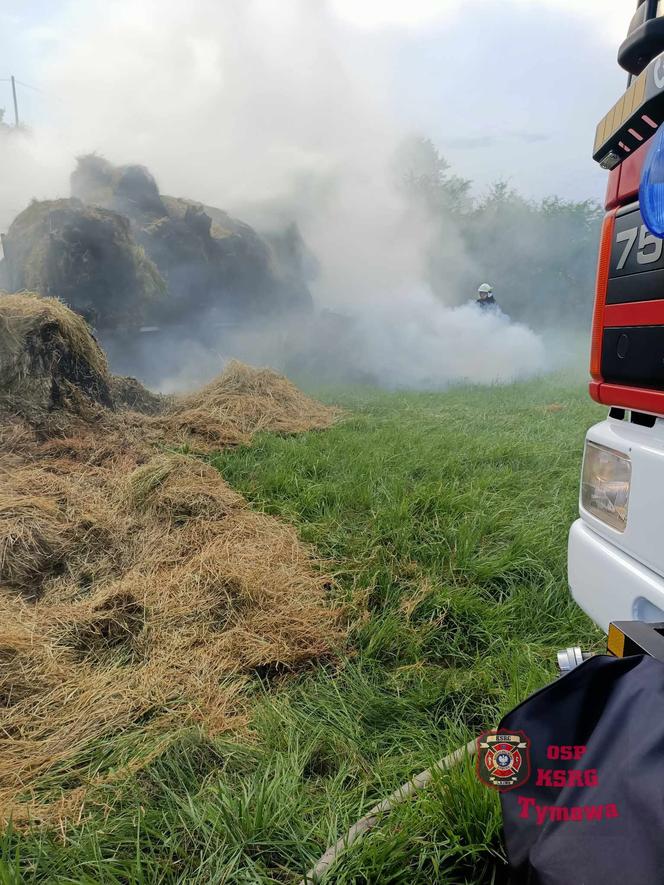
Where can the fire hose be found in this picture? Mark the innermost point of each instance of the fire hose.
(568, 659)
(364, 824)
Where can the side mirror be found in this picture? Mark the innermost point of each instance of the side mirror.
(644, 41)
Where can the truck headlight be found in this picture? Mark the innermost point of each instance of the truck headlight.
(605, 485)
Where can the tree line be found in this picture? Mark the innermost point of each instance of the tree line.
(540, 256)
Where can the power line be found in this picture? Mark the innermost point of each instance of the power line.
(28, 86)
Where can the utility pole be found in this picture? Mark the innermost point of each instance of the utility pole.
(16, 121)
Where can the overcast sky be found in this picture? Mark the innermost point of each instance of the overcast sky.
(507, 89)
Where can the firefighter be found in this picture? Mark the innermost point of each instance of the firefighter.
(485, 297)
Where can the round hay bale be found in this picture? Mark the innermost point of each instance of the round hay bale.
(208, 259)
(49, 361)
(125, 189)
(85, 255)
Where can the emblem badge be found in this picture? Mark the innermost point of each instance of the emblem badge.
(503, 759)
(658, 73)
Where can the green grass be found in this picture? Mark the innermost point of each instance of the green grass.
(445, 518)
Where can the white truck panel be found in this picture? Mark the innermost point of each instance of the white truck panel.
(620, 575)
(608, 584)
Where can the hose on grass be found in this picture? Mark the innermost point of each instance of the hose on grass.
(364, 824)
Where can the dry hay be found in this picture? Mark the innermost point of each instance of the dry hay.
(156, 604)
(86, 255)
(251, 400)
(206, 258)
(54, 383)
(129, 393)
(138, 592)
(48, 359)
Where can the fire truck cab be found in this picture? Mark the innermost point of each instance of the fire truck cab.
(616, 547)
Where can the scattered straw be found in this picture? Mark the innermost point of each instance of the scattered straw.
(138, 592)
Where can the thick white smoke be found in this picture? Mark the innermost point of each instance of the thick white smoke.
(418, 344)
(263, 107)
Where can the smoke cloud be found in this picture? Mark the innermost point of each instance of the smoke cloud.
(274, 110)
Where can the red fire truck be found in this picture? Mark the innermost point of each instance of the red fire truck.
(616, 547)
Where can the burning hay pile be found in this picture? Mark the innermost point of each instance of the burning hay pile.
(86, 255)
(137, 590)
(49, 362)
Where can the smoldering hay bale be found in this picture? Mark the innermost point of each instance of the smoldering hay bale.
(86, 255)
(126, 189)
(139, 594)
(48, 359)
(207, 258)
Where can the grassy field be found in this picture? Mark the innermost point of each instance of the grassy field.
(444, 517)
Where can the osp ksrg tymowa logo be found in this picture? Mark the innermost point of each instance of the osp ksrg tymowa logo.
(503, 759)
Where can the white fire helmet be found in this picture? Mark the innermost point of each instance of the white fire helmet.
(485, 289)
